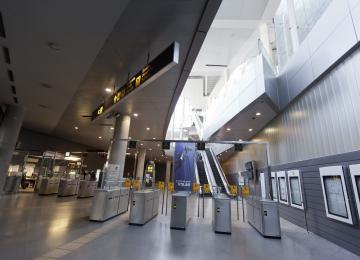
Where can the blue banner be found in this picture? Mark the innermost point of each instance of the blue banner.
(184, 168)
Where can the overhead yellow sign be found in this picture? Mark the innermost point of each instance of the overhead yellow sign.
(195, 187)
(207, 188)
(127, 183)
(136, 184)
(233, 189)
(245, 191)
(161, 185)
(170, 186)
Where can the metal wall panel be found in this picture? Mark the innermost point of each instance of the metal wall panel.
(324, 120)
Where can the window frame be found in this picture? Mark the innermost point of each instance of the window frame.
(295, 174)
(336, 171)
(282, 174)
(354, 172)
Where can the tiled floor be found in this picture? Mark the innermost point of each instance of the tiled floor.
(51, 227)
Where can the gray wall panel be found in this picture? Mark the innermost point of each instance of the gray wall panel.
(323, 121)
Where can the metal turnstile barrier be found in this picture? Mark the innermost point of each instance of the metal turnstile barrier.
(221, 208)
(109, 203)
(144, 206)
(180, 214)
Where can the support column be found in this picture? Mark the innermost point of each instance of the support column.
(140, 166)
(168, 171)
(118, 148)
(9, 132)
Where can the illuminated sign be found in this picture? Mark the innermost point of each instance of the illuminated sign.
(158, 66)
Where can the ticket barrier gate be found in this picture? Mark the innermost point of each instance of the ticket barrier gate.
(221, 208)
(68, 187)
(48, 185)
(86, 189)
(180, 214)
(263, 215)
(144, 206)
(109, 203)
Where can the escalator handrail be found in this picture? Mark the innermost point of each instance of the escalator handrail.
(207, 167)
(221, 172)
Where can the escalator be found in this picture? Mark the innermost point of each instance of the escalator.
(201, 170)
(215, 171)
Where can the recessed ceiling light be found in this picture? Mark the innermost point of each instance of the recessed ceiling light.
(108, 90)
(240, 140)
(136, 114)
(158, 145)
(76, 128)
(154, 138)
(147, 128)
(112, 128)
(185, 130)
(141, 144)
(100, 137)
(129, 137)
(250, 129)
(228, 129)
(258, 114)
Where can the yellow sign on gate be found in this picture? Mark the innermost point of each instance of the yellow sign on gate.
(136, 184)
(207, 188)
(127, 183)
(233, 189)
(170, 186)
(245, 191)
(161, 185)
(195, 187)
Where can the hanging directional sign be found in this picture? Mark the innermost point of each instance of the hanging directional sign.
(154, 69)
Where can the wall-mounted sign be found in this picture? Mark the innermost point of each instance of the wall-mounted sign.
(158, 66)
(195, 187)
(233, 190)
(170, 186)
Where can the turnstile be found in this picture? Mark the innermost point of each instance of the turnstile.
(86, 189)
(143, 206)
(48, 185)
(221, 220)
(263, 215)
(180, 214)
(109, 203)
(68, 187)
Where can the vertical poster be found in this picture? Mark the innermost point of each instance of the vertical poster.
(184, 169)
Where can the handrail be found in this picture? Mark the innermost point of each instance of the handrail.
(221, 172)
(197, 180)
(207, 167)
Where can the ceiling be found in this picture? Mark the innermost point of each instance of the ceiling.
(65, 53)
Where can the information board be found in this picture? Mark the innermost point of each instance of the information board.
(158, 66)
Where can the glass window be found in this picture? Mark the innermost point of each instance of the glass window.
(335, 197)
(274, 188)
(295, 191)
(282, 188)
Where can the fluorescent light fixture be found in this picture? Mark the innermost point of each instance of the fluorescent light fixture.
(135, 114)
(112, 128)
(258, 114)
(250, 129)
(108, 90)
(228, 129)
(185, 130)
(100, 137)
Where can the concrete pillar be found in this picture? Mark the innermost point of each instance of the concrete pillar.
(168, 171)
(140, 164)
(9, 132)
(118, 148)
